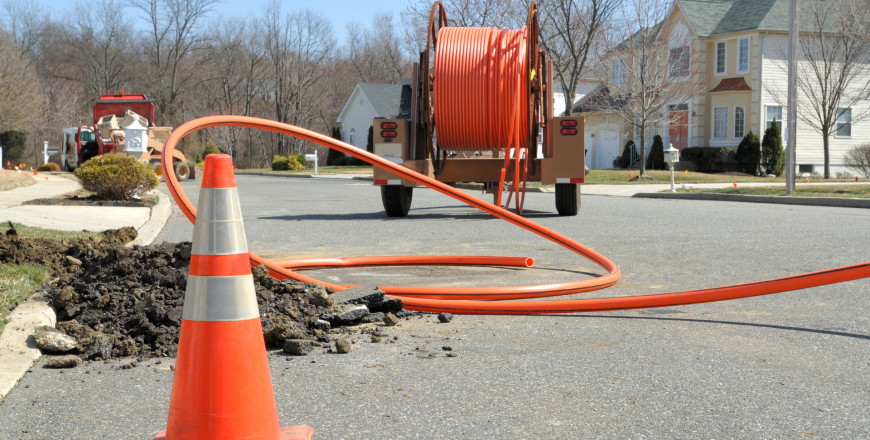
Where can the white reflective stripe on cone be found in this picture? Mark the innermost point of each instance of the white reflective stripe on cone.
(218, 229)
(220, 298)
(219, 204)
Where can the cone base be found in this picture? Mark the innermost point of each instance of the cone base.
(300, 432)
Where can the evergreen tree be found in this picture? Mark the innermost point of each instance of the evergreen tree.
(335, 157)
(749, 154)
(13, 143)
(656, 158)
(370, 142)
(772, 154)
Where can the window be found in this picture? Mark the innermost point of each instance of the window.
(774, 112)
(739, 122)
(720, 58)
(743, 56)
(619, 72)
(352, 139)
(844, 122)
(720, 122)
(678, 62)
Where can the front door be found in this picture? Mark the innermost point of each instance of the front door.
(679, 129)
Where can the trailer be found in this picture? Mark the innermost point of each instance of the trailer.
(106, 135)
(460, 82)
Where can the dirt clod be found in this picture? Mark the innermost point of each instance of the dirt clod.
(444, 318)
(68, 361)
(342, 346)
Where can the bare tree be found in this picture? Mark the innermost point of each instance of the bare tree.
(25, 23)
(569, 32)
(376, 52)
(100, 51)
(20, 95)
(832, 77)
(649, 66)
(174, 33)
(237, 62)
(298, 45)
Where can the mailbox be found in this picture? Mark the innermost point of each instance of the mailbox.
(135, 138)
(672, 155)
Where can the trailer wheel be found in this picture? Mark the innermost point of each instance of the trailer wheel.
(182, 171)
(568, 198)
(397, 200)
(158, 170)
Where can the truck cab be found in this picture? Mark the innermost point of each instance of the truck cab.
(79, 144)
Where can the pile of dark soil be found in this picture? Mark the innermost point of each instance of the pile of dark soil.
(91, 201)
(122, 301)
(642, 179)
(18, 250)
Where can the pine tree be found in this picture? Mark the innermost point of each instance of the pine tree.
(772, 154)
(656, 158)
(749, 154)
(335, 157)
(370, 142)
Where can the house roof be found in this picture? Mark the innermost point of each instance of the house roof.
(387, 100)
(732, 85)
(715, 17)
(597, 100)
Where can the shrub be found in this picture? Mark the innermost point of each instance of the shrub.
(300, 157)
(772, 154)
(708, 159)
(656, 158)
(116, 176)
(370, 141)
(50, 166)
(858, 159)
(286, 163)
(334, 156)
(624, 160)
(209, 148)
(749, 154)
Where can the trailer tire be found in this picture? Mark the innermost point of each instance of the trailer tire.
(568, 198)
(397, 200)
(182, 171)
(158, 170)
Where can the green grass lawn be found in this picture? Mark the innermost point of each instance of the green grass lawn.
(310, 170)
(850, 191)
(17, 282)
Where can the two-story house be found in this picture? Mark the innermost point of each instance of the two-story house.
(740, 47)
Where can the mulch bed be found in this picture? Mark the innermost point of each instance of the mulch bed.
(92, 201)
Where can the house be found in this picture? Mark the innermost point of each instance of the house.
(740, 47)
(369, 101)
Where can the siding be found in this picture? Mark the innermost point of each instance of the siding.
(358, 117)
(809, 149)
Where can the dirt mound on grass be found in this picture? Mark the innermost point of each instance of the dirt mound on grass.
(18, 250)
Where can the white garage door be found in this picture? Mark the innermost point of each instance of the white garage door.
(607, 148)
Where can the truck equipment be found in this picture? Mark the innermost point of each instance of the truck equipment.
(481, 110)
(106, 135)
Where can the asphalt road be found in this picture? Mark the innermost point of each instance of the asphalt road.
(795, 364)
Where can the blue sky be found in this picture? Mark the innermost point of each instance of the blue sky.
(337, 11)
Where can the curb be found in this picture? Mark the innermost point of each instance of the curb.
(776, 200)
(17, 349)
(151, 229)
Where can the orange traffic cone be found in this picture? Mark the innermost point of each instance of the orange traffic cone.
(222, 387)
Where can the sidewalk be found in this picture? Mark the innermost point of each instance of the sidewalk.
(148, 221)
(630, 190)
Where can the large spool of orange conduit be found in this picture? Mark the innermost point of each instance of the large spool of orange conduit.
(486, 300)
(480, 92)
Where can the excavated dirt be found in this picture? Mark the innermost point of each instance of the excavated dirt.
(90, 201)
(118, 301)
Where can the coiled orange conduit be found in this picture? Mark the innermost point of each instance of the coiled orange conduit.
(480, 95)
(487, 300)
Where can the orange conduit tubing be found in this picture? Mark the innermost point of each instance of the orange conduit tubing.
(480, 89)
(488, 300)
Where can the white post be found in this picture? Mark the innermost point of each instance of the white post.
(672, 178)
(791, 143)
(315, 162)
(1, 157)
(45, 151)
